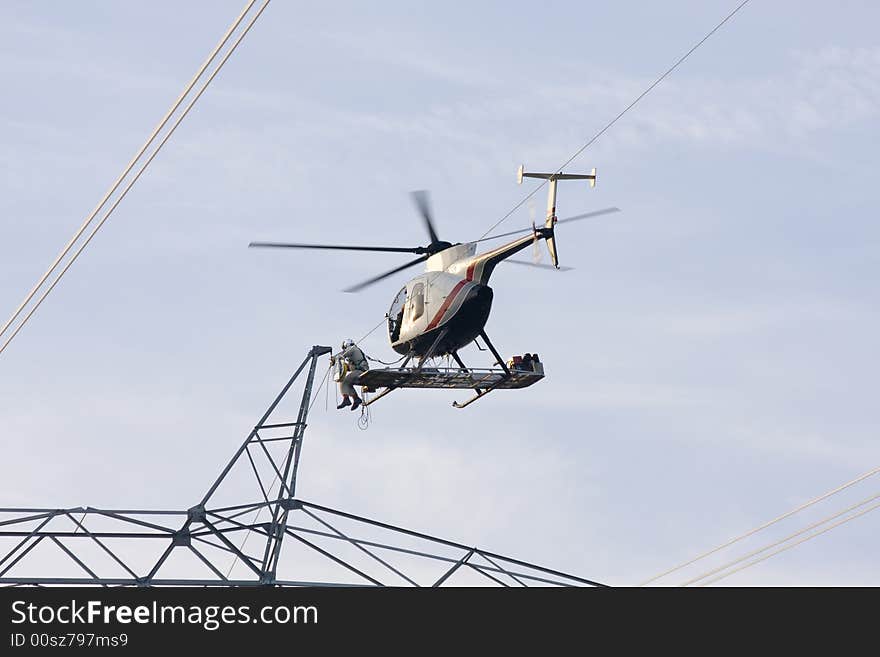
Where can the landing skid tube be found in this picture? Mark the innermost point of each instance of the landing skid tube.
(480, 393)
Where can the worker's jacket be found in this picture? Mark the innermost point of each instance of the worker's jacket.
(355, 358)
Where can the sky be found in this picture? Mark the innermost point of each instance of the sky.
(711, 357)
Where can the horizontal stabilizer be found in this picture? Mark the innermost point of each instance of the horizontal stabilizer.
(520, 174)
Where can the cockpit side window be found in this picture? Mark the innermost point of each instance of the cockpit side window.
(395, 315)
(417, 301)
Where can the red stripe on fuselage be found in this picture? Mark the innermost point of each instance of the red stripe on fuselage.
(449, 299)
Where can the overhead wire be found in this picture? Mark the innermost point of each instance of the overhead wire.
(765, 525)
(776, 543)
(201, 71)
(796, 543)
(612, 122)
(607, 126)
(128, 169)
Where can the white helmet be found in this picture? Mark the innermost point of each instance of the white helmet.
(347, 343)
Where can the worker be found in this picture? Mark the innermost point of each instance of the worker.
(355, 363)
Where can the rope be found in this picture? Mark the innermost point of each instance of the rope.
(365, 418)
(779, 542)
(382, 321)
(616, 118)
(769, 523)
(124, 192)
(327, 397)
(394, 362)
(795, 544)
(318, 391)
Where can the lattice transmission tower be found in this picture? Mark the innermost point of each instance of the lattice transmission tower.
(273, 539)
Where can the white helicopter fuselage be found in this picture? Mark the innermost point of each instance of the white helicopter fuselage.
(452, 294)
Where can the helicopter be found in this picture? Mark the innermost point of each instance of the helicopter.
(447, 306)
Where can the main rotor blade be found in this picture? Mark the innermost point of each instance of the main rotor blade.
(337, 247)
(421, 200)
(577, 217)
(376, 279)
(588, 215)
(539, 265)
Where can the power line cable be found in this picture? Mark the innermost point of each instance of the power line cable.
(767, 524)
(616, 118)
(130, 166)
(774, 544)
(788, 547)
(134, 179)
(613, 121)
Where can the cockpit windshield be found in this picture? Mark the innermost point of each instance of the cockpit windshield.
(395, 315)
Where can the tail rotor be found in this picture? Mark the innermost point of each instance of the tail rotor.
(549, 225)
